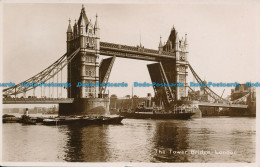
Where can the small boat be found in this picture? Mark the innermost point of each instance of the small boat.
(49, 121)
(113, 119)
(10, 118)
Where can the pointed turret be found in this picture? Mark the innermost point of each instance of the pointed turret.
(83, 17)
(172, 39)
(97, 34)
(69, 32)
(82, 31)
(96, 28)
(186, 44)
(69, 28)
(96, 23)
(83, 8)
(69, 38)
(177, 42)
(186, 40)
(173, 28)
(160, 48)
(75, 29)
(140, 40)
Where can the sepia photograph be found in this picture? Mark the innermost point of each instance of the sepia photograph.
(128, 83)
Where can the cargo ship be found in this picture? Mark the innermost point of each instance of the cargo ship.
(148, 110)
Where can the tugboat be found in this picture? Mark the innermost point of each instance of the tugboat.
(26, 119)
(147, 110)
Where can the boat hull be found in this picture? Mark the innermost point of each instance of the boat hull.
(183, 116)
(84, 121)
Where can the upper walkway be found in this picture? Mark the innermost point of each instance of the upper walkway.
(133, 52)
(37, 100)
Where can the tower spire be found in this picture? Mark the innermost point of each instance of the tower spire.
(97, 33)
(69, 27)
(160, 44)
(75, 29)
(186, 45)
(83, 8)
(69, 32)
(186, 39)
(96, 26)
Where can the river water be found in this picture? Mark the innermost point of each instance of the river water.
(211, 139)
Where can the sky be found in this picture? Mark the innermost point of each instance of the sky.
(222, 38)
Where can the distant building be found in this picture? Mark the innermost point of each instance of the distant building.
(241, 91)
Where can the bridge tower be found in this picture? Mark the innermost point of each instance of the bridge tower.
(84, 68)
(176, 70)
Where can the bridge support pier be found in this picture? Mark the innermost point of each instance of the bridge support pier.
(85, 106)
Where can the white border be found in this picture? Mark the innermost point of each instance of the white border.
(256, 164)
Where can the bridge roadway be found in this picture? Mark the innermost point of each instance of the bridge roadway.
(134, 52)
(207, 104)
(37, 100)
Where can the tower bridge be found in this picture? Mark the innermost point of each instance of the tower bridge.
(82, 62)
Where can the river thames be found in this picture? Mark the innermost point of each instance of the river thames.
(208, 139)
